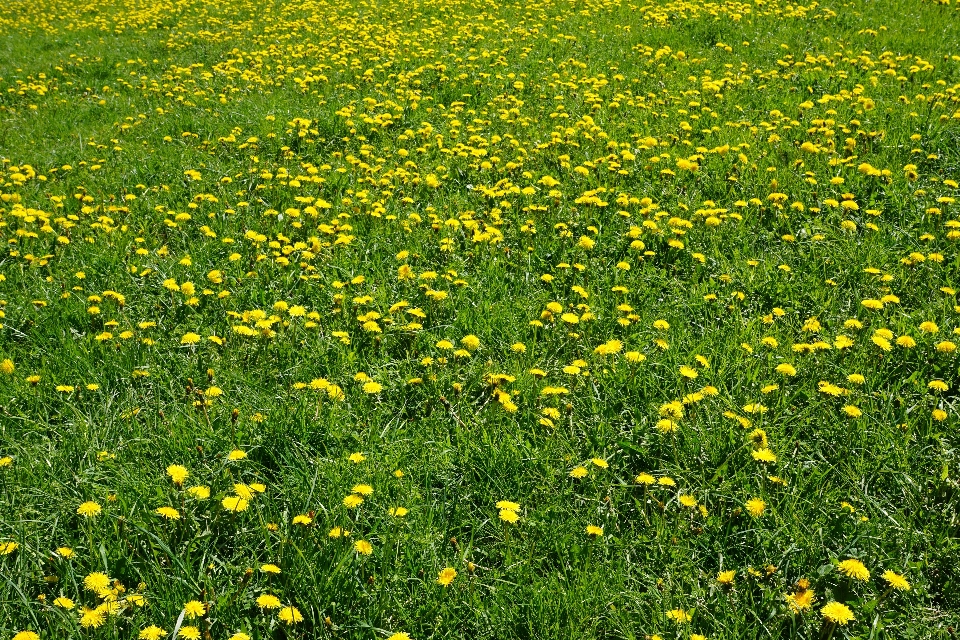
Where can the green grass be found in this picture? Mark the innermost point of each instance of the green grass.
(515, 131)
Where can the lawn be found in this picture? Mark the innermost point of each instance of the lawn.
(464, 319)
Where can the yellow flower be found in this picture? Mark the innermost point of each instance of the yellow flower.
(26, 635)
(178, 473)
(509, 505)
(786, 369)
(446, 576)
(896, 581)
(372, 387)
(270, 568)
(290, 615)
(688, 501)
(200, 492)
(363, 547)
(236, 454)
(89, 509)
(579, 472)
(168, 512)
(6, 548)
(800, 601)
(756, 507)
(509, 516)
(679, 616)
(854, 569)
(401, 635)
(599, 462)
(153, 632)
(595, 531)
(268, 601)
(302, 519)
(357, 457)
(352, 501)
(234, 503)
(189, 633)
(64, 603)
(92, 618)
(97, 582)
(645, 479)
(194, 609)
(837, 613)
(726, 577)
(362, 489)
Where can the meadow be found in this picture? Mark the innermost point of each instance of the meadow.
(479, 319)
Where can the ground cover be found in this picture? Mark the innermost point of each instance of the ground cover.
(572, 318)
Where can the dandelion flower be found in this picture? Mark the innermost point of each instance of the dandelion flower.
(194, 609)
(363, 489)
(178, 473)
(270, 568)
(65, 552)
(756, 507)
(290, 615)
(268, 601)
(234, 503)
(200, 492)
(89, 509)
(189, 633)
(645, 479)
(679, 616)
(168, 512)
(363, 547)
(594, 530)
(26, 635)
(800, 601)
(726, 577)
(92, 618)
(153, 632)
(6, 548)
(302, 519)
(896, 581)
(356, 457)
(837, 613)
(446, 576)
(236, 454)
(64, 603)
(97, 582)
(854, 569)
(401, 635)
(509, 516)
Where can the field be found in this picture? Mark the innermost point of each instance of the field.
(465, 319)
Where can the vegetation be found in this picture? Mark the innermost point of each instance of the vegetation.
(547, 319)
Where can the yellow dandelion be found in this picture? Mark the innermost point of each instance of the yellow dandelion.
(446, 576)
(837, 613)
(854, 569)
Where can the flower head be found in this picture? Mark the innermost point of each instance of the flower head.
(89, 509)
(896, 580)
(837, 613)
(854, 569)
(446, 576)
(290, 615)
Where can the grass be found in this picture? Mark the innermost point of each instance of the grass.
(443, 255)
